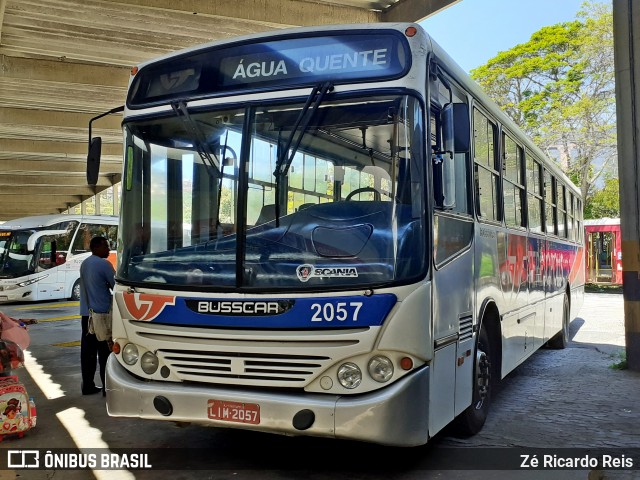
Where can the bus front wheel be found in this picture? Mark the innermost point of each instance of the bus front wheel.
(75, 291)
(472, 419)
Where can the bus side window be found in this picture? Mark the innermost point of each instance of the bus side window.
(562, 210)
(513, 182)
(534, 194)
(486, 170)
(81, 242)
(550, 195)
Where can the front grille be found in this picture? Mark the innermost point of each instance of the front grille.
(270, 358)
(237, 367)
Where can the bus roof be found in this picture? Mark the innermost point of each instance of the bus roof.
(46, 220)
(264, 36)
(451, 66)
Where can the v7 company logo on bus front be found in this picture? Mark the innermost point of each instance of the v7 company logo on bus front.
(143, 306)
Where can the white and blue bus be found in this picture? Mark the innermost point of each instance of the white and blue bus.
(331, 231)
(40, 256)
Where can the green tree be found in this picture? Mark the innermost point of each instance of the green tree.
(605, 202)
(559, 88)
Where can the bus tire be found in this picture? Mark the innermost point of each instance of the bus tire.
(561, 339)
(471, 420)
(75, 291)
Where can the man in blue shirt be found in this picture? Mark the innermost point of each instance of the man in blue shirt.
(96, 282)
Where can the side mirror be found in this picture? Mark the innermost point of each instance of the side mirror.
(95, 147)
(456, 134)
(462, 126)
(93, 160)
(448, 132)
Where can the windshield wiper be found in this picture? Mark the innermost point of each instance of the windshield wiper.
(284, 157)
(200, 142)
(219, 200)
(208, 157)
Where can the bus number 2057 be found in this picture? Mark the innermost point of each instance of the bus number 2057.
(341, 311)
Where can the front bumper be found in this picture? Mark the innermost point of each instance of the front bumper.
(15, 295)
(397, 415)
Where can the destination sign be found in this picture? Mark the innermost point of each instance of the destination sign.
(325, 59)
(283, 63)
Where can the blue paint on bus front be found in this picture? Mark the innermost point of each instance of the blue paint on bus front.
(299, 313)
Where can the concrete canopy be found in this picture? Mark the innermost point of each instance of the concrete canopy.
(65, 61)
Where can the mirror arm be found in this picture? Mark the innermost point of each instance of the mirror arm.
(113, 110)
(438, 154)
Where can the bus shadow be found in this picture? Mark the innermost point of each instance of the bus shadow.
(575, 326)
(613, 349)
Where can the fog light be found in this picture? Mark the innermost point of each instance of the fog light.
(349, 375)
(149, 363)
(380, 368)
(130, 354)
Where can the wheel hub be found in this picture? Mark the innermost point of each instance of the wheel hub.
(483, 369)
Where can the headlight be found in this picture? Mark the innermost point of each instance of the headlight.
(349, 375)
(32, 281)
(130, 354)
(149, 363)
(380, 368)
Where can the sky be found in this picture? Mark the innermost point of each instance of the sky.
(474, 31)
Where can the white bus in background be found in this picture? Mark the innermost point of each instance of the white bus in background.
(40, 256)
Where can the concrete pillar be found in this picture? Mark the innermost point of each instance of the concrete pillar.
(626, 27)
(116, 198)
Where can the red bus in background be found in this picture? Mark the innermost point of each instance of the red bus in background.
(604, 251)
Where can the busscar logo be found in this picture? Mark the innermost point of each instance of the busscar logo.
(23, 459)
(306, 271)
(143, 306)
(240, 307)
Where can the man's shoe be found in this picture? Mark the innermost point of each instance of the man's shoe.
(92, 390)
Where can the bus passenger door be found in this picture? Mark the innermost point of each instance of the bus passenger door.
(51, 283)
(453, 317)
(453, 284)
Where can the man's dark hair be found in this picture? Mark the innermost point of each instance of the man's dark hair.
(96, 242)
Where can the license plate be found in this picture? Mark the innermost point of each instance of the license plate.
(234, 411)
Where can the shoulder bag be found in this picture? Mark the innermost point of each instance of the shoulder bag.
(99, 323)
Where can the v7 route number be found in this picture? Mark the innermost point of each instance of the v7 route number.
(341, 311)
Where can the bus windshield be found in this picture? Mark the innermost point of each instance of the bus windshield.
(15, 259)
(277, 196)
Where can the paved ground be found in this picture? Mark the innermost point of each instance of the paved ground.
(558, 399)
(572, 397)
